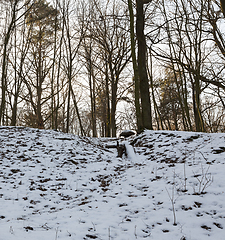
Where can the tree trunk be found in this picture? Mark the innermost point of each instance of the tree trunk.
(92, 88)
(40, 122)
(222, 3)
(58, 76)
(92, 95)
(108, 123)
(18, 80)
(78, 114)
(4, 61)
(143, 76)
(69, 75)
(135, 69)
(68, 105)
(14, 108)
(156, 109)
(53, 77)
(113, 108)
(197, 109)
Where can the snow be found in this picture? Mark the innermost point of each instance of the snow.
(60, 186)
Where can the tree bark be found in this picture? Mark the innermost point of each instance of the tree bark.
(40, 79)
(92, 88)
(18, 77)
(222, 3)
(143, 76)
(135, 69)
(107, 105)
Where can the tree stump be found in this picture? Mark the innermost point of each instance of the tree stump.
(121, 149)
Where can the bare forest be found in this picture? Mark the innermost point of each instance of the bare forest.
(96, 67)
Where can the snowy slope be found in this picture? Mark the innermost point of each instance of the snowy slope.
(59, 186)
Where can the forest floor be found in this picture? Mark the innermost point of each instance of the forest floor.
(171, 185)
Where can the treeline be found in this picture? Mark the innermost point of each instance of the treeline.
(95, 67)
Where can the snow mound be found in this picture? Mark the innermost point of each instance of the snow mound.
(60, 186)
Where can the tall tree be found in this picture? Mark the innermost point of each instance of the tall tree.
(21, 46)
(109, 31)
(135, 68)
(42, 20)
(142, 69)
(13, 5)
(92, 83)
(170, 107)
(72, 42)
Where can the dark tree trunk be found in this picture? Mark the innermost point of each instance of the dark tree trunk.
(142, 70)
(4, 60)
(92, 88)
(222, 2)
(135, 68)
(40, 80)
(108, 123)
(113, 109)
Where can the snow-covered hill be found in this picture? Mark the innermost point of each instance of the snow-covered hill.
(60, 186)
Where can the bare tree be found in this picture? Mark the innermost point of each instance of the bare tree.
(14, 14)
(41, 19)
(108, 29)
(71, 45)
